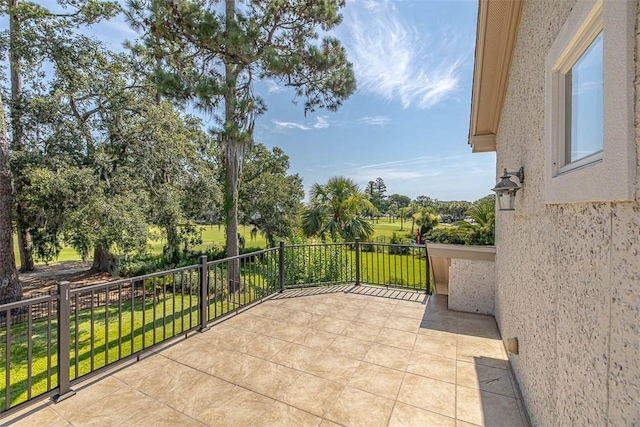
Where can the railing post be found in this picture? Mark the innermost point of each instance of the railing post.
(64, 343)
(281, 267)
(357, 247)
(203, 295)
(426, 257)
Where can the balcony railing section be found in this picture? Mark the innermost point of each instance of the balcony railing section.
(50, 342)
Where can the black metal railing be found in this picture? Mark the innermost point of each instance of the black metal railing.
(50, 342)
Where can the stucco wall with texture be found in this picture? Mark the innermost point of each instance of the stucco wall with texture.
(472, 286)
(568, 275)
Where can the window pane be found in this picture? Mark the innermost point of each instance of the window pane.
(586, 103)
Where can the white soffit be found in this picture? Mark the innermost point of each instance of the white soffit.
(495, 39)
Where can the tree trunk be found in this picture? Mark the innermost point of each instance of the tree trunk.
(10, 287)
(172, 251)
(231, 160)
(24, 239)
(103, 259)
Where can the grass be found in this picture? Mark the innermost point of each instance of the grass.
(106, 334)
(213, 235)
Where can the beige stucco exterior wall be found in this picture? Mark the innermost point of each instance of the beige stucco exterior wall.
(472, 286)
(568, 275)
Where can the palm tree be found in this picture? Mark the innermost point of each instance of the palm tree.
(482, 230)
(337, 209)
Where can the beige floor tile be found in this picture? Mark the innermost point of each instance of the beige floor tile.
(479, 330)
(436, 346)
(269, 311)
(268, 378)
(315, 339)
(239, 407)
(283, 331)
(380, 305)
(191, 395)
(312, 394)
(344, 312)
(372, 318)
(484, 408)
(426, 393)
(297, 356)
(481, 351)
(396, 338)
(159, 415)
(329, 324)
(42, 417)
(402, 323)
(361, 331)
(332, 367)
(436, 367)
(181, 387)
(412, 310)
(110, 410)
(320, 308)
(349, 347)
(300, 318)
(440, 325)
(460, 423)
(282, 415)
(358, 408)
(435, 333)
(326, 365)
(440, 316)
(258, 345)
(485, 378)
(224, 364)
(376, 379)
(404, 415)
(385, 355)
(327, 423)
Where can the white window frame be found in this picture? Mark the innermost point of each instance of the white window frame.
(609, 174)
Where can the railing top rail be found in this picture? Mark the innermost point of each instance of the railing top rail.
(247, 255)
(416, 245)
(28, 301)
(304, 245)
(129, 280)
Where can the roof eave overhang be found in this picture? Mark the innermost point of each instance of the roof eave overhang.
(495, 40)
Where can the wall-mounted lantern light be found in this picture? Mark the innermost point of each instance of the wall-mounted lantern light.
(506, 189)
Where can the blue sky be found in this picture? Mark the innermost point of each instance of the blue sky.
(408, 121)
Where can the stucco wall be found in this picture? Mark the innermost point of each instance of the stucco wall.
(568, 275)
(472, 286)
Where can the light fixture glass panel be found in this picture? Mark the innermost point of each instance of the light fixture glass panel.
(505, 200)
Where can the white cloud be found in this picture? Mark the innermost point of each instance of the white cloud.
(393, 60)
(320, 123)
(374, 121)
(274, 87)
(291, 125)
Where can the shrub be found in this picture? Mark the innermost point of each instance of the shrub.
(397, 250)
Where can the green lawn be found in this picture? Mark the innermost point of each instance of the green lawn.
(108, 335)
(213, 235)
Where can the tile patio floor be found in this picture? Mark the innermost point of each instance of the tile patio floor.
(325, 356)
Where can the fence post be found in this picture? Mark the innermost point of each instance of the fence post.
(357, 247)
(203, 295)
(64, 343)
(426, 257)
(281, 267)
